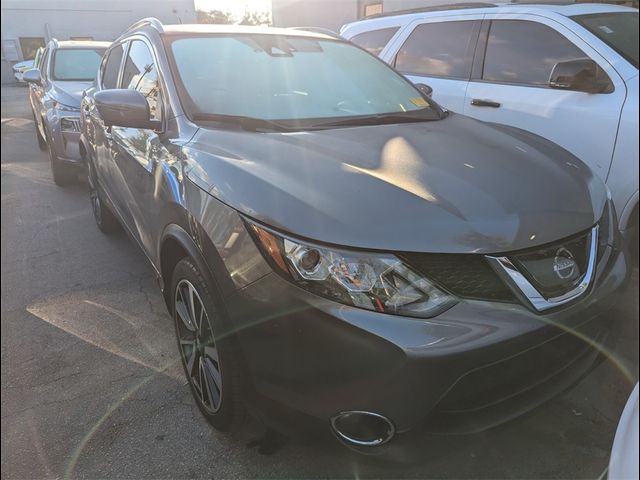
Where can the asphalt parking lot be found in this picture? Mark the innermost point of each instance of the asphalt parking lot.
(91, 386)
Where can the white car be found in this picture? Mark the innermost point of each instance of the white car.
(624, 453)
(568, 73)
(21, 67)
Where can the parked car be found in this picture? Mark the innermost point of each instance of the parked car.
(566, 72)
(332, 243)
(21, 67)
(65, 70)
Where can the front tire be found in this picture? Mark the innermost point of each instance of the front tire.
(102, 214)
(208, 356)
(42, 142)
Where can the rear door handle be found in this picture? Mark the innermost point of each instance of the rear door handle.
(476, 102)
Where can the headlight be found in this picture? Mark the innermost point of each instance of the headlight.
(61, 106)
(70, 124)
(373, 281)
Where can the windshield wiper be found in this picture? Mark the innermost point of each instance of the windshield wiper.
(248, 123)
(379, 119)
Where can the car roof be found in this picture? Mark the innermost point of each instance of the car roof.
(564, 9)
(81, 44)
(240, 29)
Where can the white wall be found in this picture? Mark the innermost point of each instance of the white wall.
(103, 20)
(330, 14)
(100, 19)
(333, 14)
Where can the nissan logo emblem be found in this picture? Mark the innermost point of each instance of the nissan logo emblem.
(563, 264)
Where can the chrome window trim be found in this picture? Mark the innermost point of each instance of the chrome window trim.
(516, 280)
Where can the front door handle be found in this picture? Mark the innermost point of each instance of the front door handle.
(476, 102)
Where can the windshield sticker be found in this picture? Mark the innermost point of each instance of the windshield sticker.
(419, 102)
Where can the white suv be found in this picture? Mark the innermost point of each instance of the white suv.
(567, 73)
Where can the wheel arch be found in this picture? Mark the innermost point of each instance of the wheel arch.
(85, 149)
(177, 243)
(629, 214)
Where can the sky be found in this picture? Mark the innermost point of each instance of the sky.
(235, 7)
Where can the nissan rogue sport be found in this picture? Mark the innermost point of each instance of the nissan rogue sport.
(332, 243)
(64, 71)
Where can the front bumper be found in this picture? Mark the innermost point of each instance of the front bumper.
(470, 368)
(66, 142)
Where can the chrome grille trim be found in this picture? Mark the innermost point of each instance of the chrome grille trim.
(517, 281)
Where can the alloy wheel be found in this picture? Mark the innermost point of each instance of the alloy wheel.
(197, 347)
(93, 196)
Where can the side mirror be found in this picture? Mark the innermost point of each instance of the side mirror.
(426, 90)
(124, 108)
(32, 76)
(582, 75)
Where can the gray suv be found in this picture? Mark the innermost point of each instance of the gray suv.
(66, 69)
(333, 244)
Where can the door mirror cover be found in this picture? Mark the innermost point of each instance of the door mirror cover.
(124, 108)
(424, 89)
(582, 75)
(32, 76)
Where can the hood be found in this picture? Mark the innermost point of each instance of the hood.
(451, 186)
(68, 92)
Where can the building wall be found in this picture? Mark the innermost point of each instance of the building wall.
(63, 19)
(330, 14)
(333, 14)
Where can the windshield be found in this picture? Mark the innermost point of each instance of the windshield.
(270, 77)
(618, 30)
(79, 64)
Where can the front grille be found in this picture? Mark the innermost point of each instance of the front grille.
(68, 124)
(557, 268)
(464, 275)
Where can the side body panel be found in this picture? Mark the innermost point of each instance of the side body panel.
(38, 93)
(584, 124)
(623, 175)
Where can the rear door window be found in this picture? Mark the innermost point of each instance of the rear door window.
(442, 49)
(375, 40)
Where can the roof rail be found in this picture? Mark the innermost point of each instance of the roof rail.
(433, 8)
(151, 21)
